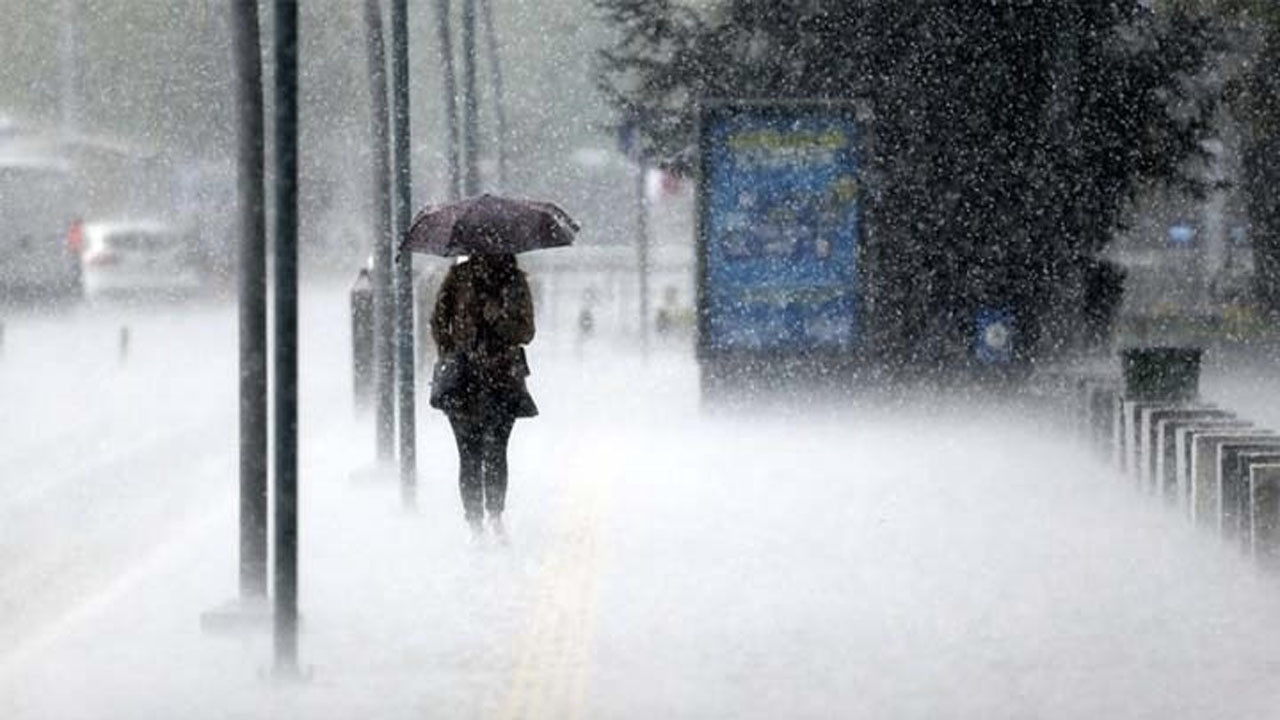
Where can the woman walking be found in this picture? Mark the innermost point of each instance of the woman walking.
(482, 319)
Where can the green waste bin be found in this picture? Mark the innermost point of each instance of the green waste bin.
(1169, 374)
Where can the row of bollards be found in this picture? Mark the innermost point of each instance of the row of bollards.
(1216, 469)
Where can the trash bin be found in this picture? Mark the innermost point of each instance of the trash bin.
(362, 339)
(1168, 374)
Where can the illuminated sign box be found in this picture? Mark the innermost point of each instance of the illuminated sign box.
(780, 228)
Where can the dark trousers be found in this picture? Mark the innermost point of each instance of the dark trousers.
(482, 463)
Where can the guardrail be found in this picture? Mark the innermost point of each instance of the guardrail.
(1218, 470)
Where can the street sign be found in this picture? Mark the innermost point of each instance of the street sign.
(994, 337)
(1181, 235)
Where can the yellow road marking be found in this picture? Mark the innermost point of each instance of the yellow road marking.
(553, 661)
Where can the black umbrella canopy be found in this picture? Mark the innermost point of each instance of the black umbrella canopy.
(489, 225)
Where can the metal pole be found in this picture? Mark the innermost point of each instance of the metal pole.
(470, 101)
(286, 337)
(383, 309)
(499, 95)
(252, 303)
(642, 252)
(445, 38)
(69, 68)
(404, 261)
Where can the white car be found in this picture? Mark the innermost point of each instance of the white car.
(139, 258)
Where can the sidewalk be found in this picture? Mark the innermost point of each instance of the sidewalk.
(923, 564)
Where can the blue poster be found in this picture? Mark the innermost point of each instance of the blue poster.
(781, 200)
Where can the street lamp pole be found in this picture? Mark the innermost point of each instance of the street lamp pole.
(383, 310)
(69, 68)
(252, 303)
(404, 261)
(642, 252)
(286, 328)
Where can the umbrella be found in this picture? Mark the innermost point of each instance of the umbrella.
(489, 225)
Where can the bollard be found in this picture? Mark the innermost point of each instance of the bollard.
(1184, 435)
(362, 339)
(587, 317)
(1264, 514)
(1138, 425)
(1148, 447)
(1234, 460)
(1161, 425)
(123, 344)
(1205, 501)
(586, 327)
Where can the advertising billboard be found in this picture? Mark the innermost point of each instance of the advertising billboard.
(779, 229)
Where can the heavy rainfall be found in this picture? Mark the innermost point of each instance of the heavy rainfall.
(866, 358)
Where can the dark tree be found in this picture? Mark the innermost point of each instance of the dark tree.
(1258, 105)
(1254, 105)
(1009, 135)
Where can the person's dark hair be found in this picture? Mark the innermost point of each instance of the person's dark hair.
(497, 270)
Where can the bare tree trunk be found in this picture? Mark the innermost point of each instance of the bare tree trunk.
(444, 37)
(499, 94)
(470, 102)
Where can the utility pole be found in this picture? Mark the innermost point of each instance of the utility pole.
(252, 303)
(444, 37)
(286, 329)
(383, 308)
(642, 251)
(470, 101)
(404, 261)
(69, 68)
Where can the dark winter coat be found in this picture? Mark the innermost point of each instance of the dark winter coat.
(482, 318)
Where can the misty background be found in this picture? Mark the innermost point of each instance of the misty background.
(912, 552)
(154, 79)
